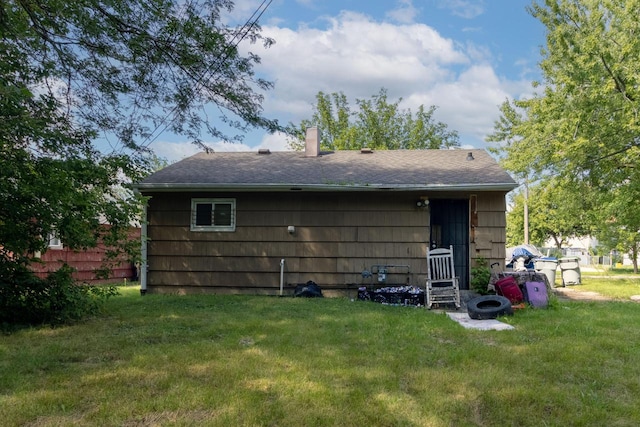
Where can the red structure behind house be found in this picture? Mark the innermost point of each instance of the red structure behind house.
(85, 263)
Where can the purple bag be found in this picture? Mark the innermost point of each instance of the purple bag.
(536, 294)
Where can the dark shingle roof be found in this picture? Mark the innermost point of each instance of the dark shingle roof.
(340, 170)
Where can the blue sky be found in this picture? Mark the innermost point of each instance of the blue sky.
(463, 56)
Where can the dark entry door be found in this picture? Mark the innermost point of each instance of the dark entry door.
(450, 226)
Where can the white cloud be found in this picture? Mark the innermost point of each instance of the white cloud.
(470, 103)
(176, 151)
(223, 146)
(472, 100)
(358, 55)
(405, 13)
(275, 142)
(467, 9)
(472, 30)
(242, 11)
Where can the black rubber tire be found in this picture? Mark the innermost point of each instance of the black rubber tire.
(489, 307)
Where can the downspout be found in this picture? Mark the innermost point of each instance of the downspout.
(143, 251)
(281, 275)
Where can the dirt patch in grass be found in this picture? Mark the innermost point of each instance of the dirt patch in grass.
(576, 294)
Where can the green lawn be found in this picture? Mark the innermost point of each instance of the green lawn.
(619, 288)
(610, 271)
(262, 361)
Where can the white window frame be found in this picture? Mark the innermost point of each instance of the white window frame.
(213, 227)
(55, 242)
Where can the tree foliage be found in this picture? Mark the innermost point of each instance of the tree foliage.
(558, 210)
(75, 71)
(376, 123)
(582, 127)
(620, 222)
(585, 120)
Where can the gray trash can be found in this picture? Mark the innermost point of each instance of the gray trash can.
(548, 267)
(570, 268)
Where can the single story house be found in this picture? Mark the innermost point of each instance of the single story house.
(262, 222)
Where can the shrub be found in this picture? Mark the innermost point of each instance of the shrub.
(26, 299)
(480, 276)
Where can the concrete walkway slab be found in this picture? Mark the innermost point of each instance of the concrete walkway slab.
(483, 325)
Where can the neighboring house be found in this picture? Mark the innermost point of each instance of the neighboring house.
(257, 222)
(84, 262)
(581, 247)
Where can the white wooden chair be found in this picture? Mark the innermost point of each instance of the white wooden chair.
(442, 282)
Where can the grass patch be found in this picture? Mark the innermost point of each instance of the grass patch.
(605, 270)
(619, 288)
(247, 361)
(620, 271)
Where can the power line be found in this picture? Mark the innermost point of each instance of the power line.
(211, 71)
(180, 15)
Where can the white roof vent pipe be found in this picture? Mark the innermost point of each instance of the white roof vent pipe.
(312, 142)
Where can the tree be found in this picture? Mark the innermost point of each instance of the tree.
(583, 126)
(620, 222)
(559, 210)
(73, 71)
(515, 221)
(506, 131)
(376, 124)
(584, 123)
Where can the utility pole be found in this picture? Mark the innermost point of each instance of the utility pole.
(526, 211)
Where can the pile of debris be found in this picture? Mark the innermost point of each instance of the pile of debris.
(393, 295)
